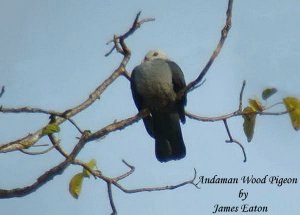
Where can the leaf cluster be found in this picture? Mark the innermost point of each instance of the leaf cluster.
(256, 107)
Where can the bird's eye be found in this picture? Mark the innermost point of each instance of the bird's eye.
(155, 54)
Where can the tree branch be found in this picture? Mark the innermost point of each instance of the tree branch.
(132, 168)
(120, 39)
(48, 175)
(111, 200)
(85, 138)
(2, 91)
(151, 189)
(56, 144)
(241, 97)
(75, 125)
(115, 181)
(31, 139)
(216, 52)
(37, 153)
(29, 110)
(238, 112)
(231, 140)
(119, 125)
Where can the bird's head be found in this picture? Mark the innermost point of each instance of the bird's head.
(155, 54)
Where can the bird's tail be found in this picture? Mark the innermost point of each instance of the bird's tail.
(169, 143)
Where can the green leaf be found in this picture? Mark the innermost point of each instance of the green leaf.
(268, 92)
(76, 184)
(249, 122)
(50, 129)
(92, 165)
(256, 105)
(292, 105)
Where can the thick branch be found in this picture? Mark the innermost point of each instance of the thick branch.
(47, 176)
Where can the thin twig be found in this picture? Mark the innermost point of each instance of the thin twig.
(29, 110)
(231, 140)
(37, 153)
(111, 200)
(76, 126)
(227, 129)
(110, 51)
(95, 173)
(230, 115)
(135, 25)
(210, 119)
(196, 86)
(2, 91)
(40, 145)
(116, 45)
(114, 181)
(56, 144)
(241, 97)
(273, 105)
(151, 189)
(132, 168)
(274, 113)
(239, 112)
(216, 52)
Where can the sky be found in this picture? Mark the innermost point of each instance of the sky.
(52, 57)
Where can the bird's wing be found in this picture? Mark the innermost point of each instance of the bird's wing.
(136, 97)
(138, 100)
(178, 84)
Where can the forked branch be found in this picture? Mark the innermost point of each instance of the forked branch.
(32, 138)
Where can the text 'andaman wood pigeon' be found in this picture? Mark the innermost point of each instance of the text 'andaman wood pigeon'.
(155, 84)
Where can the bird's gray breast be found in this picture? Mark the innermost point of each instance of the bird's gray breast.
(153, 81)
